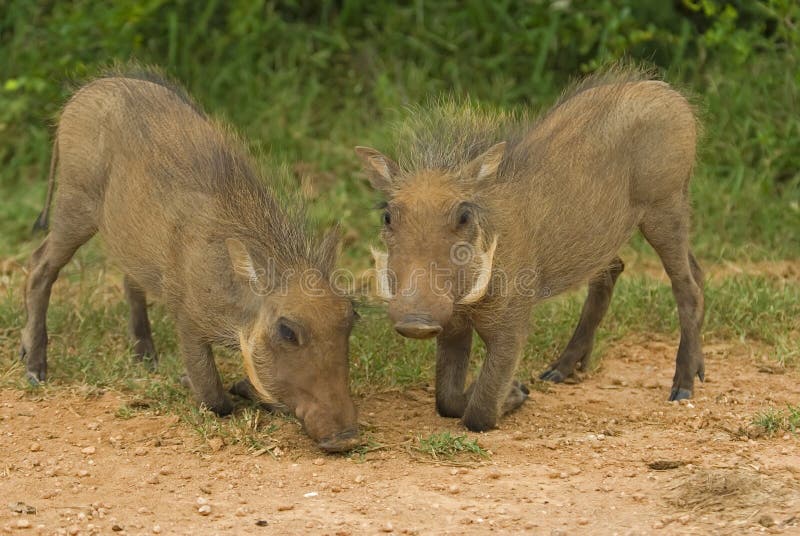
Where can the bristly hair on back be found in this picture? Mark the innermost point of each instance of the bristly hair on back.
(149, 73)
(274, 228)
(449, 133)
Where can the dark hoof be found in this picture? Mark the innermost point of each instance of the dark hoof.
(517, 396)
(35, 375)
(680, 394)
(552, 375)
(244, 389)
(220, 409)
(479, 423)
(34, 379)
(145, 352)
(341, 442)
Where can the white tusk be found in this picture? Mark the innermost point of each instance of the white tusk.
(383, 289)
(249, 368)
(484, 276)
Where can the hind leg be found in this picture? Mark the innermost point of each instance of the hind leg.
(667, 230)
(138, 323)
(579, 348)
(55, 251)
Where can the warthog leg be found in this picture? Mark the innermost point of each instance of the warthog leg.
(579, 348)
(495, 392)
(201, 372)
(69, 233)
(453, 347)
(667, 230)
(138, 323)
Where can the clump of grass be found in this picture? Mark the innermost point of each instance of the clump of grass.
(446, 446)
(773, 420)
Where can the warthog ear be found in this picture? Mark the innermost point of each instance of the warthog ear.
(485, 166)
(380, 169)
(241, 261)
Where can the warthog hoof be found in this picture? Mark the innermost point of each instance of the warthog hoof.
(552, 375)
(517, 395)
(341, 442)
(221, 408)
(36, 373)
(145, 351)
(680, 394)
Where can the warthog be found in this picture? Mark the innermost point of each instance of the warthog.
(488, 214)
(186, 216)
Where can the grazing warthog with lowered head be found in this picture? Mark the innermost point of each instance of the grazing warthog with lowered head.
(184, 214)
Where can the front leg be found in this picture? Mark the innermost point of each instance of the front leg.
(453, 347)
(495, 392)
(202, 374)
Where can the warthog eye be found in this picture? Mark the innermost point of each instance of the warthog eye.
(464, 216)
(387, 218)
(286, 333)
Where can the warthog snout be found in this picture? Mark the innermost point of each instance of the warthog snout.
(418, 327)
(341, 442)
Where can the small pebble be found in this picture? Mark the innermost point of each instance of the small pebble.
(388, 527)
(152, 479)
(583, 521)
(35, 447)
(453, 489)
(262, 523)
(89, 450)
(204, 510)
(310, 494)
(285, 507)
(319, 461)
(117, 528)
(201, 501)
(359, 479)
(23, 523)
(139, 451)
(156, 529)
(494, 474)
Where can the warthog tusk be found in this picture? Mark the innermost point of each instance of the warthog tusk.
(250, 369)
(383, 290)
(484, 276)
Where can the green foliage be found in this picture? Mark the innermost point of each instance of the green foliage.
(305, 81)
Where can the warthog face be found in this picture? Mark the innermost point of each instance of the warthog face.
(296, 351)
(440, 245)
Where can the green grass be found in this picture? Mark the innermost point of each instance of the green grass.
(445, 446)
(773, 420)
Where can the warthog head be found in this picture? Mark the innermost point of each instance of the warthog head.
(296, 349)
(440, 244)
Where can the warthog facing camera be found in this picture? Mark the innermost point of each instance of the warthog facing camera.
(488, 214)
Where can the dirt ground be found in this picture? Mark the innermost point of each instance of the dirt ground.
(605, 456)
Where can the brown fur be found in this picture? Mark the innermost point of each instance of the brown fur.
(183, 212)
(614, 154)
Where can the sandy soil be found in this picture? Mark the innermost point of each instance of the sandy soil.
(605, 456)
